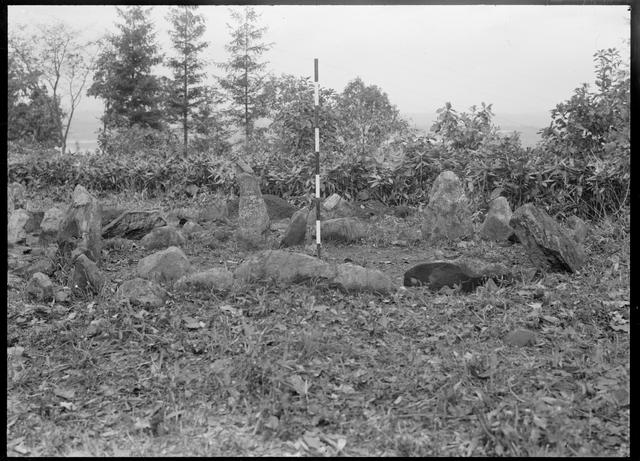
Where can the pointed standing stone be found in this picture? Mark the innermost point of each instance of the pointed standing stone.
(496, 224)
(253, 219)
(447, 215)
(297, 229)
(82, 226)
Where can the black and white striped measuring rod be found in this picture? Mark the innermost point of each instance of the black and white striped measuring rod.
(317, 138)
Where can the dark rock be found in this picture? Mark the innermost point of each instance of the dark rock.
(141, 292)
(297, 229)
(219, 279)
(547, 245)
(81, 226)
(496, 225)
(164, 266)
(118, 244)
(466, 272)
(40, 287)
(162, 237)
(447, 215)
(86, 277)
(133, 224)
(44, 265)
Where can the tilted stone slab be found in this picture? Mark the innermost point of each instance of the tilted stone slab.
(342, 230)
(546, 242)
(142, 292)
(133, 224)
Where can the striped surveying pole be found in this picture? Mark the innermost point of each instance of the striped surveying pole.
(317, 137)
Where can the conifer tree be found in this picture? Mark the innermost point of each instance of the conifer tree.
(124, 78)
(187, 94)
(245, 78)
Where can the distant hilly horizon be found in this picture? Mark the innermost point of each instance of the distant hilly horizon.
(84, 128)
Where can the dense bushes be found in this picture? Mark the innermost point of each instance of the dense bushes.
(580, 167)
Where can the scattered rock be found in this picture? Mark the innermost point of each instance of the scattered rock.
(86, 277)
(164, 266)
(162, 237)
(342, 230)
(466, 272)
(10, 204)
(13, 281)
(44, 265)
(141, 292)
(577, 228)
(447, 215)
(191, 190)
(219, 279)
(281, 225)
(547, 245)
(40, 287)
(357, 278)
(253, 219)
(296, 267)
(33, 224)
(521, 338)
(216, 210)
(191, 228)
(50, 225)
(62, 296)
(496, 225)
(18, 194)
(81, 226)
(16, 231)
(284, 266)
(297, 229)
(133, 224)
(331, 202)
(399, 243)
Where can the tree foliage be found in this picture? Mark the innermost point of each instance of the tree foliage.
(54, 65)
(368, 118)
(124, 78)
(187, 93)
(245, 76)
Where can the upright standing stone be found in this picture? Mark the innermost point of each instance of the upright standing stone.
(297, 229)
(447, 215)
(16, 225)
(18, 193)
(547, 244)
(50, 225)
(496, 224)
(253, 219)
(82, 226)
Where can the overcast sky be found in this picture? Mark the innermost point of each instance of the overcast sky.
(523, 59)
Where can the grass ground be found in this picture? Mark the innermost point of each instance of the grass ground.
(305, 369)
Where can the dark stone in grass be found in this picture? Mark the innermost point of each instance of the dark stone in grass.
(297, 229)
(162, 237)
(109, 214)
(468, 273)
(40, 287)
(86, 277)
(133, 224)
(141, 292)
